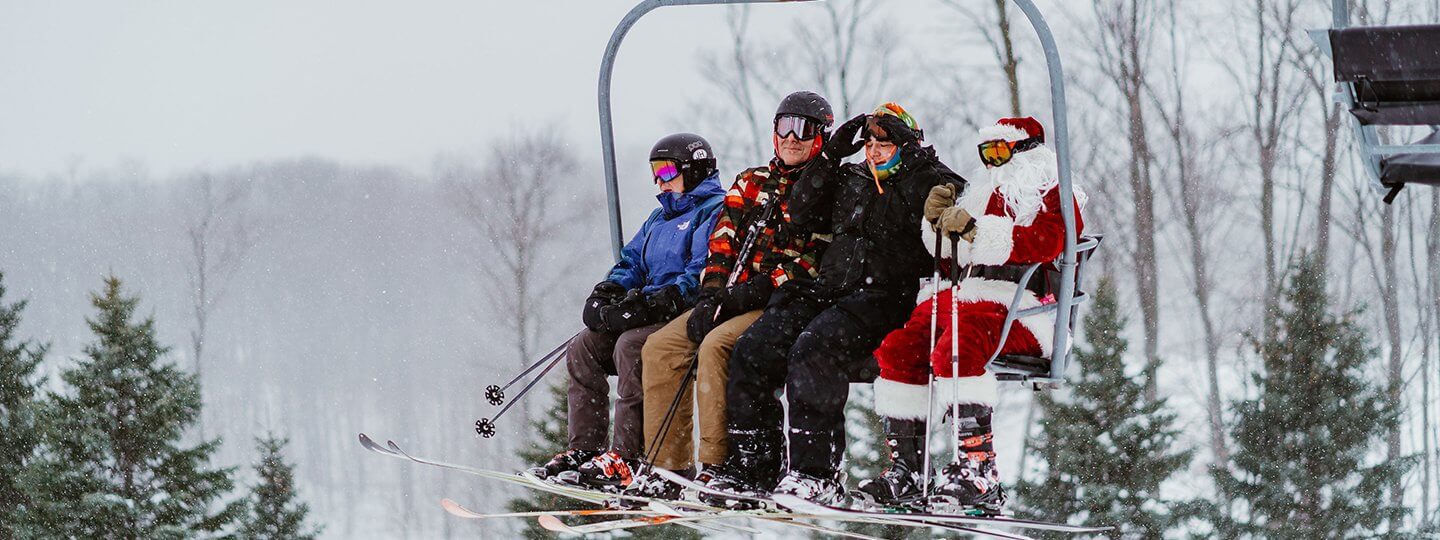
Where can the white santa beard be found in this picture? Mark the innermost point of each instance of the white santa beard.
(1023, 183)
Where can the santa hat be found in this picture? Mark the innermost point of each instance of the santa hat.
(1013, 129)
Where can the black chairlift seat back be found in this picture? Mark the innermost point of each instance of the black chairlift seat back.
(1417, 168)
(1022, 368)
(1394, 72)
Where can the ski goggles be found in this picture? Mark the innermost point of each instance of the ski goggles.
(999, 152)
(664, 170)
(802, 128)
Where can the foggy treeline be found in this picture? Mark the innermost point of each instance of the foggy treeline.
(342, 297)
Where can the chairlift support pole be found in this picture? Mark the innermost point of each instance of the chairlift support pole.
(1059, 129)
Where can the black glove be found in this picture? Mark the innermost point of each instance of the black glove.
(748, 296)
(665, 303)
(632, 312)
(704, 318)
(899, 133)
(605, 294)
(842, 143)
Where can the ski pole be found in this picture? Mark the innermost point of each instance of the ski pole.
(955, 342)
(496, 394)
(665, 424)
(930, 388)
(486, 426)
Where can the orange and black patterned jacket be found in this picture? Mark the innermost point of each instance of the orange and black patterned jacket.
(780, 252)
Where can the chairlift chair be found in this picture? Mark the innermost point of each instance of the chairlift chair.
(1388, 76)
(1065, 274)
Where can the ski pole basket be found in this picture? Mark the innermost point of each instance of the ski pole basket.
(1388, 76)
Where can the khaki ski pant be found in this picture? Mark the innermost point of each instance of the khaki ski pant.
(666, 357)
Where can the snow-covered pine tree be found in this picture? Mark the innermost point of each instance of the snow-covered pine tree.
(1308, 459)
(551, 437)
(273, 510)
(110, 462)
(1105, 451)
(19, 389)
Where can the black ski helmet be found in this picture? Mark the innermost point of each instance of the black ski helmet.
(691, 151)
(807, 104)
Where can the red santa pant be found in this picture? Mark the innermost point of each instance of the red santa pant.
(907, 357)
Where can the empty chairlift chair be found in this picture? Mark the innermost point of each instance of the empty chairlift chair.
(1390, 76)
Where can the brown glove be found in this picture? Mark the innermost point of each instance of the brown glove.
(940, 198)
(957, 221)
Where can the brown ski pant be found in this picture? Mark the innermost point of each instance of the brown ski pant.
(667, 356)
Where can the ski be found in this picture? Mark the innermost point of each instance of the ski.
(525, 479)
(825, 513)
(456, 509)
(800, 505)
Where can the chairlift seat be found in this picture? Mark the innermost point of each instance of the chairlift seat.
(1418, 168)
(1394, 72)
(1023, 368)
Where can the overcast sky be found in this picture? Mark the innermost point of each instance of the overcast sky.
(182, 84)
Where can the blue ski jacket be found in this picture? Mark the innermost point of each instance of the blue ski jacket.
(672, 245)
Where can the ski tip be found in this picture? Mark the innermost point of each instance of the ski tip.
(553, 524)
(454, 509)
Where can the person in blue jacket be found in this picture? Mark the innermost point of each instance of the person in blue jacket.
(657, 278)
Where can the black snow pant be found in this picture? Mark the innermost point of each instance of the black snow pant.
(812, 344)
(590, 358)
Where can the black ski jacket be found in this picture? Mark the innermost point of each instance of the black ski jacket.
(875, 227)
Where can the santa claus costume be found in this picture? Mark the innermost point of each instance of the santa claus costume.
(1007, 218)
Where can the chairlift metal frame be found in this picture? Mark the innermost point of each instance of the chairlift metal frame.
(1372, 151)
(1067, 297)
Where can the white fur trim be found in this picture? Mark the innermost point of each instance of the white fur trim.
(982, 390)
(994, 240)
(900, 400)
(1042, 325)
(1001, 131)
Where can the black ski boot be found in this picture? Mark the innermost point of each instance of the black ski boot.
(608, 472)
(750, 469)
(973, 483)
(900, 485)
(824, 491)
(652, 486)
(568, 460)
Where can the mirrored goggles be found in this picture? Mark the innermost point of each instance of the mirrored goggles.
(802, 128)
(664, 170)
(999, 152)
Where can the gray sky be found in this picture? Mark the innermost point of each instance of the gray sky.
(182, 84)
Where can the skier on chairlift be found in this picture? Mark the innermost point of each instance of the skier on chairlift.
(1007, 218)
(754, 223)
(817, 335)
(657, 278)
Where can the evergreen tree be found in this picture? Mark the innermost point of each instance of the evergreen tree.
(19, 432)
(110, 463)
(1105, 450)
(273, 511)
(1307, 446)
(551, 437)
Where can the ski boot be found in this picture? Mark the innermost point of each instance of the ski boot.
(608, 472)
(568, 460)
(972, 484)
(824, 491)
(652, 486)
(900, 485)
(750, 469)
